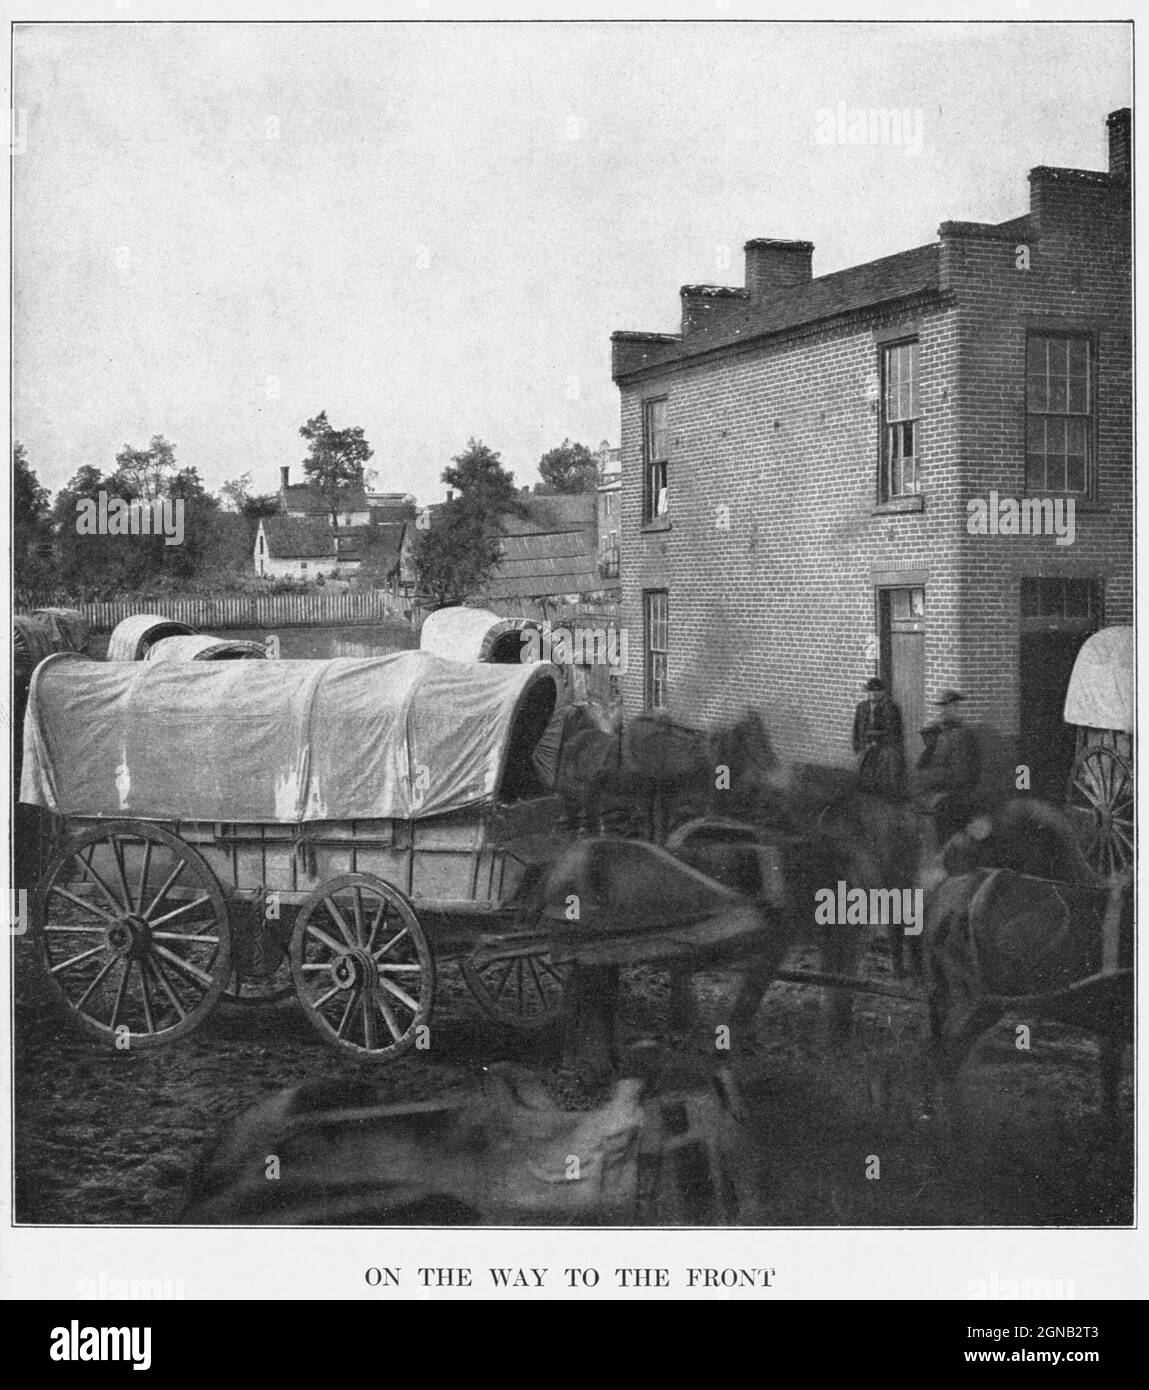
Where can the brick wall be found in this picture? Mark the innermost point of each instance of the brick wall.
(775, 612)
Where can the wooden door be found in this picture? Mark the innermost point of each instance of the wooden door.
(902, 627)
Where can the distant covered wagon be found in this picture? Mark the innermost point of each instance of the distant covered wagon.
(475, 634)
(355, 818)
(133, 637)
(203, 647)
(1100, 702)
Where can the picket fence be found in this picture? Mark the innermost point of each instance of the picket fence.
(252, 610)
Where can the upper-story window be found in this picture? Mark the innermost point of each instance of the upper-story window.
(1058, 413)
(899, 420)
(656, 450)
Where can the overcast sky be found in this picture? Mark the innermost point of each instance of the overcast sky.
(432, 230)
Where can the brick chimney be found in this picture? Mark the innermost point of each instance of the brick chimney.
(1120, 125)
(284, 471)
(776, 265)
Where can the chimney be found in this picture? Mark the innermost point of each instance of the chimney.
(285, 469)
(1120, 125)
(450, 495)
(776, 265)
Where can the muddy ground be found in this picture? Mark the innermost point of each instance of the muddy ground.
(108, 1137)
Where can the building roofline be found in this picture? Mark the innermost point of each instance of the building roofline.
(732, 346)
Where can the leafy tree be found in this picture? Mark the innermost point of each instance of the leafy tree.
(235, 492)
(30, 520)
(144, 473)
(568, 468)
(200, 512)
(484, 486)
(454, 554)
(335, 460)
(99, 565)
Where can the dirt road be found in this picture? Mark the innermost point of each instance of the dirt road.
(112, 1137)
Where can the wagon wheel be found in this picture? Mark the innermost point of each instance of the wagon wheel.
(134, 931)
(362, 966)
(520, 989)
(1101, 804)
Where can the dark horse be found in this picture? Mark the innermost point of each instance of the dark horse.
(712, 798)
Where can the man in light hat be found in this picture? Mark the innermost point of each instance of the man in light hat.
(878, 743)
(949, 768)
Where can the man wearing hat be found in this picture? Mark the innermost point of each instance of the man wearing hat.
(878, 743)
(949, 767)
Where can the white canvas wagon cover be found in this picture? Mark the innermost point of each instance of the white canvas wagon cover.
(1100, 693)
(399, 736)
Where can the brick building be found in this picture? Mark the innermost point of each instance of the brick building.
(799, 464)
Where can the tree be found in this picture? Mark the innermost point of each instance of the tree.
(335, 460)
(461, 546)
(30, 519)
(233, 493)
(455, 553)
(144, 473)
(483, 484)
(568, 468)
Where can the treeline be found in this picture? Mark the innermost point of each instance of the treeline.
(55, 550)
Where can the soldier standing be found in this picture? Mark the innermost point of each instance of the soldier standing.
(878, 743)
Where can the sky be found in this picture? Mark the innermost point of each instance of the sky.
(431, 230)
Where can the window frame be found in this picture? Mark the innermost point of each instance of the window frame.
(653, 467)
(886, 349)
(1089, 467)
(655, 681)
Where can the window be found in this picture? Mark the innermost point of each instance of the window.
(1060, 603)
(1058, 406)
(656, 447)
(303, 564)
(899, 420)
(655, 620)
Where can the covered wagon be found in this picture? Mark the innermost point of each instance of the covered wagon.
(351, 820)
(133, 637)
(475, 634)
(204, 647)
(1100, 702)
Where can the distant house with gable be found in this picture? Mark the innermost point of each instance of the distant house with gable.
(374, 530)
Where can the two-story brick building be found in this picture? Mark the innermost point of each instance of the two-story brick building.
(809, 465)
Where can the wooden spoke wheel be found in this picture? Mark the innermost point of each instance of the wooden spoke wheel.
(134, 931)
(1101, 805)
(362, 966)
(524, 990)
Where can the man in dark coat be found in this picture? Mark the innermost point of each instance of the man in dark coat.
(878, 743)
(949, 768)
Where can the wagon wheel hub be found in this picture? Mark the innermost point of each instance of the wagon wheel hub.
(129, 937)
(354, 969)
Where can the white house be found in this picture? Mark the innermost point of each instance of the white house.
(295, 547)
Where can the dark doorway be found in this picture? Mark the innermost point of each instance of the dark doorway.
(902, 633)
(1057, 615)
